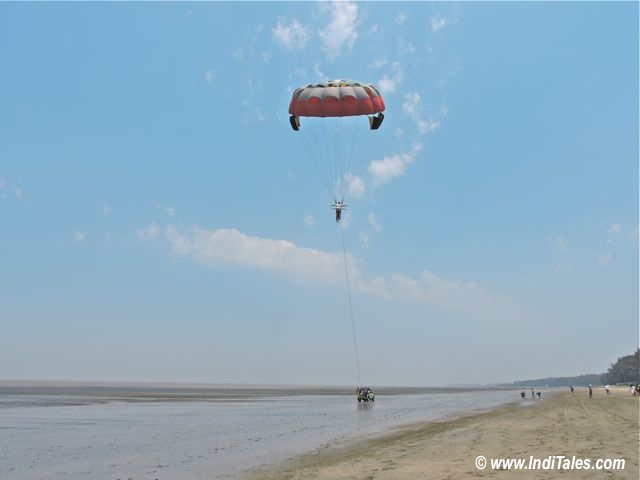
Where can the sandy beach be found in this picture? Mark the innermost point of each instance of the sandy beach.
(573, 425)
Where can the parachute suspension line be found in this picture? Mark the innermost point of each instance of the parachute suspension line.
(339, 170)
(340, 192)
(349, 167)
(337, 180)
(361, 149)
(317, 153)
(345, 148)
(353, 322)
(353, 162)
(338, 149)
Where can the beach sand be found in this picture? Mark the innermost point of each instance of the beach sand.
(563, 424)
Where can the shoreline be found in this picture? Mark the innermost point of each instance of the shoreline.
(561, 424)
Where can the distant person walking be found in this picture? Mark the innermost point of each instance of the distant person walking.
(571, 387)
(590, 391)
(532, 394)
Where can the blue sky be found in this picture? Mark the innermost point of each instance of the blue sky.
(160, 220)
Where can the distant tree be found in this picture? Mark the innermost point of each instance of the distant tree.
(625, 370)
(579, 380)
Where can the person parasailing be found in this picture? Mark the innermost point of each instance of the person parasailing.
(338, 206)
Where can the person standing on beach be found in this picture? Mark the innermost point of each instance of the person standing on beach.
(532, 394)
(571, 387)
(590, 391)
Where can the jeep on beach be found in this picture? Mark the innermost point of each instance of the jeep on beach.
(365, 394)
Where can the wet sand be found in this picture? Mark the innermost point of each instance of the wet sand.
(564, 424)
(82, 393)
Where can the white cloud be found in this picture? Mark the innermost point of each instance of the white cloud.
(209, 77)
(617, 233)
(341, 30)
(364, 238)
(438, 22)
(604, 259)
(345, 220)
(614, 229)
(301, 72)
(449, 72)
(8, 189)
(255, 36)
(258, 114)
(405, 47)
(385, 170)
(149, 233)
(365, 235)
(231, 247)
(318, 72)
(308, 220)
(79, 236)
(106, 209)
(377, 63)
(558, 244)
(400, 18)
(413, 109)
(252, 101)
(238, 54)
(293, 36)
(390, 82)
(452, 294)
(351, 186)
(373, 222)
(166, 209)
(284, 258)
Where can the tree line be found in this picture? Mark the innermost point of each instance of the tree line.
(625, 370)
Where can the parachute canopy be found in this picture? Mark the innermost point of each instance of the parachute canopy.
(336, 98)
(336, 116)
